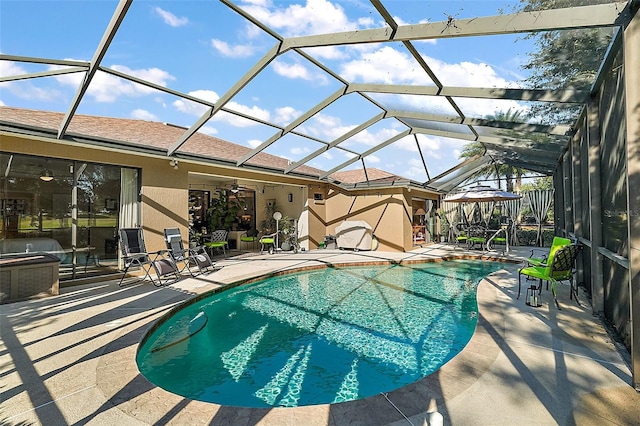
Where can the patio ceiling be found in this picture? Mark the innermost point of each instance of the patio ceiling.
(432, 109)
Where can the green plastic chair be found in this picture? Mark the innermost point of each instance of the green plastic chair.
(559, 267)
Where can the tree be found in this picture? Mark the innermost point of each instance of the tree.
(563, 59)
(474, 149)
(545, 182)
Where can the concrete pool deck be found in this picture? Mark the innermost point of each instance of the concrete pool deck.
(70, 359)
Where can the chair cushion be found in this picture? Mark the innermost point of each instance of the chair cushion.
(535, 272)
(267, 240)
(215, 244)
(537, 261)
(248, 239)
(165, 266)
(476, 240)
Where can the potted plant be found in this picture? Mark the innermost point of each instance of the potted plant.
(286, 225)
(223, 211)
(268, 225)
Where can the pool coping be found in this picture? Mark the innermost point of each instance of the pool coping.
(118, 369)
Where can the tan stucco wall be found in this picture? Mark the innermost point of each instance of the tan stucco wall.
(165, 195)
(316, 213)
(386, 210)
(165, 189)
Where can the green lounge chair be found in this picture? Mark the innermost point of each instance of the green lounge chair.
(559, 267)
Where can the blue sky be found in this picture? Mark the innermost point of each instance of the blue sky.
(203, 47)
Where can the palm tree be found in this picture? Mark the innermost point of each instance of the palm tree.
(475, 148)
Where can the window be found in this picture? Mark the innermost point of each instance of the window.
(68, 208)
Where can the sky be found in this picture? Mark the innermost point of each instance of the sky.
(204, 47)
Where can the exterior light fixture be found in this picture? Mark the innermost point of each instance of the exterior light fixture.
(173, 163)
(46, 175)
(234, 188)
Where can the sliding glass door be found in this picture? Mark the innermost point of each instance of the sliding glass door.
(69, 208)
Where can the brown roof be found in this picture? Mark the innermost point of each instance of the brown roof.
(358, 176)
(146, 133)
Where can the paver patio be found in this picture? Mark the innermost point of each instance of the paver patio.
(70, 359)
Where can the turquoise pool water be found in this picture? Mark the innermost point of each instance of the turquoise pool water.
(317, 337)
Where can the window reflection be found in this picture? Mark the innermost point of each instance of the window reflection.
(64, 207)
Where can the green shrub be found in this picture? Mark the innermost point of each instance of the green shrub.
(527, 236)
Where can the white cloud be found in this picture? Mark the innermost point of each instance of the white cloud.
(153, 75)
(412, 169)
(141, 114)
(194, 108)
(429, 145)
(108, 88)
(286, 115)
(208, 130)
(291, 70)
(10, 68)
(385, 65)
(263, 3)
(327, 154)
(329, 52)
(326, 127)
(388, 65)
(205, 95)
(369, 138)
(295, 71)
(299, 150)
(234, 120)
(408, 143)
(170, 19)
(251, 31)
(372, 159)
(254, 143)
(25, 89)
(237, 51)
(314, 17)
(347, 154)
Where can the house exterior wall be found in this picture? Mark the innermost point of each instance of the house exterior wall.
(387, 210)
(316, 214)
(164, 195)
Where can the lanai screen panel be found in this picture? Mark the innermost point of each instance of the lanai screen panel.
(279, 60)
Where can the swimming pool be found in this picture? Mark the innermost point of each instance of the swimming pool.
(316, 337)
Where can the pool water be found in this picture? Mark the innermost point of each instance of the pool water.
(317, 337)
